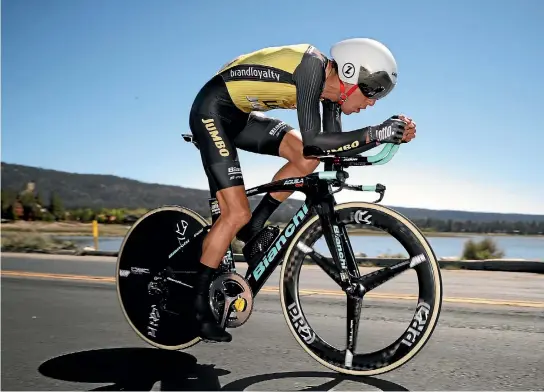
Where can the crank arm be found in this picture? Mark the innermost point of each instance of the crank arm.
(226, 310)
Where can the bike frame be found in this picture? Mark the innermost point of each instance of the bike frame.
(319, 199)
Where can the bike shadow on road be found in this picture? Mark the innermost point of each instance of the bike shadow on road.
(139, 369)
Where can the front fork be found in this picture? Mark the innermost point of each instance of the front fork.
(336, 236)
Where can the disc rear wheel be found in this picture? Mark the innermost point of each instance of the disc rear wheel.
(155, 275)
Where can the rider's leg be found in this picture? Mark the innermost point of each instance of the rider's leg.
(291, 149)
(214, 120)
(270, 136)
(235, 213)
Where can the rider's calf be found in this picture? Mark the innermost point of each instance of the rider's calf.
(235, 210)
(235, 213)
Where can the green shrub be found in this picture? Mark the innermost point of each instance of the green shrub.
(48, 217)
(483, 250)
(392, 256)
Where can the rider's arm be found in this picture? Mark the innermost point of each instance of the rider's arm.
(332, 121)
(309, 78)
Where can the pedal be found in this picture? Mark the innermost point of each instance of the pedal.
(259, 243)
(240, 304)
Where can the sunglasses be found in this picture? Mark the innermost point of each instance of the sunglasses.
(375, 85)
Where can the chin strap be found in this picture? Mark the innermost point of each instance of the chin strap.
(343, 95)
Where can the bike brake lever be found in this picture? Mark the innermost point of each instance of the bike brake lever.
(381, 190)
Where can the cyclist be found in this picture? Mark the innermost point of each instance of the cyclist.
(227, 114)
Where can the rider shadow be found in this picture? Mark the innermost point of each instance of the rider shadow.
(134, 369)
(383, 385)
(139, 369)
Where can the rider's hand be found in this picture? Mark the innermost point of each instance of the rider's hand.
(409, 129)
(391, 130)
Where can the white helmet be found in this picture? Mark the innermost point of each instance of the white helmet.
(366, 63)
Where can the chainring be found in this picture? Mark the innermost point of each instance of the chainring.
(231, 299)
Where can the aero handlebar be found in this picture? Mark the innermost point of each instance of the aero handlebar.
(384, 156)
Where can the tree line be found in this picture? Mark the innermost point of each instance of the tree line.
(32, 206)
(468, 226)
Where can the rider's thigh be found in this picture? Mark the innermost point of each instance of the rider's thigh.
(218, 154)
(213, 119)
(262, 134)
(291, 148)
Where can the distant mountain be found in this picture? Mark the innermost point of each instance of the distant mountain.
(97, 190)
(422, 213)
(108, 191)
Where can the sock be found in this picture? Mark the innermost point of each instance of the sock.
(266, 207)
(204, 277)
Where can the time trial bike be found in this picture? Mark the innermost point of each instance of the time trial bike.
(158, 259)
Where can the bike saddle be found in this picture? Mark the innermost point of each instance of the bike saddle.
(189, 138)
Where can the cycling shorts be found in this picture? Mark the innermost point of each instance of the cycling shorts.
(219, 128)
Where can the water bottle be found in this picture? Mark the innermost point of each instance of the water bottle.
(260, 243)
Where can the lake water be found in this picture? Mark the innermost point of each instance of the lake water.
(514, 247)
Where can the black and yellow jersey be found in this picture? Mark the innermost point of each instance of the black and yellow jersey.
(263, 80)
(290, 77)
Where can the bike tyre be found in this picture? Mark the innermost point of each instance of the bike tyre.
(289, 276)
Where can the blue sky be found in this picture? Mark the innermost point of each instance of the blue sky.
(101, 86)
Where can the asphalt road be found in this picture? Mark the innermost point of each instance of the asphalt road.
(59, 333)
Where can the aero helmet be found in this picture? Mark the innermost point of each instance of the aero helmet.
(366, 63)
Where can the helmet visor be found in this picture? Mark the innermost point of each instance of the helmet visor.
(376, 85)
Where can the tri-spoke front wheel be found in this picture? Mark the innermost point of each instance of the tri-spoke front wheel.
(367, 219)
